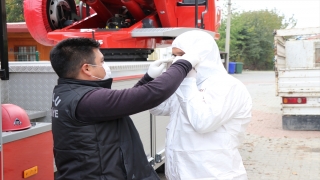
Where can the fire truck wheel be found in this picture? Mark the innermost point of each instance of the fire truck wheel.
(42, 17)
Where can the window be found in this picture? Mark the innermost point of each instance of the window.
(25, 53)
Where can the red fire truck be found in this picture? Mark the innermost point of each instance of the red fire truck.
(126, 29)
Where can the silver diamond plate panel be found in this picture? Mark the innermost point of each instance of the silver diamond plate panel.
(4, 92)
(31, 69)
(32, 91)
(44, 66)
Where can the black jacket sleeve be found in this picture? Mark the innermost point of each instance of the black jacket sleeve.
(105, 104)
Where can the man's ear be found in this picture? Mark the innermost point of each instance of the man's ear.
(85, 70)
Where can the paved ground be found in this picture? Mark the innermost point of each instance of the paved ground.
(269, 152)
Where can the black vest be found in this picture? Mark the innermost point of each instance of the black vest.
(110, 150)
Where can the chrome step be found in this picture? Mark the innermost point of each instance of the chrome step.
(164, 32)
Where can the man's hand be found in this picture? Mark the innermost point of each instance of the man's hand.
(156, 67)
(192, 58)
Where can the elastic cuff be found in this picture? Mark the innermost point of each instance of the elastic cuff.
(147, 77)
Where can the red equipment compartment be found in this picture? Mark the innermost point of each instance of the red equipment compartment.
(25, 149)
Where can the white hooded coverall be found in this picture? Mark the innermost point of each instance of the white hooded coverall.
(208, 116)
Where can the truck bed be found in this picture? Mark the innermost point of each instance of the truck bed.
(297, 73)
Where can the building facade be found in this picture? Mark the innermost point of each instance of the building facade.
(21, 45)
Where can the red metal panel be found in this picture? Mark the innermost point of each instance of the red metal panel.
(166, 12)
(214, 16)
(146, 4)
(217, 15)
(102, 11)
(26, 153)
(186, 16)
(134, 9)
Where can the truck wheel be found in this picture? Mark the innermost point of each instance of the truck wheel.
(44, 16)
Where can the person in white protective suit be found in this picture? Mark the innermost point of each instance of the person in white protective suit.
(209, 114)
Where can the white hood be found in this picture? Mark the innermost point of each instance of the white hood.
(193, 42)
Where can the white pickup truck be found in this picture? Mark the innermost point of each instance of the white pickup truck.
(297, 72)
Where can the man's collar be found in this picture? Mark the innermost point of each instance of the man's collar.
(101, 83)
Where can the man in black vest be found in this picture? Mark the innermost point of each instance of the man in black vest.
(94, 137)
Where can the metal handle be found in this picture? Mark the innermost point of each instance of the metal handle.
(196, 10)
(202, 15)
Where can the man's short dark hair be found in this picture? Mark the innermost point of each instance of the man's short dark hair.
(69, 55)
